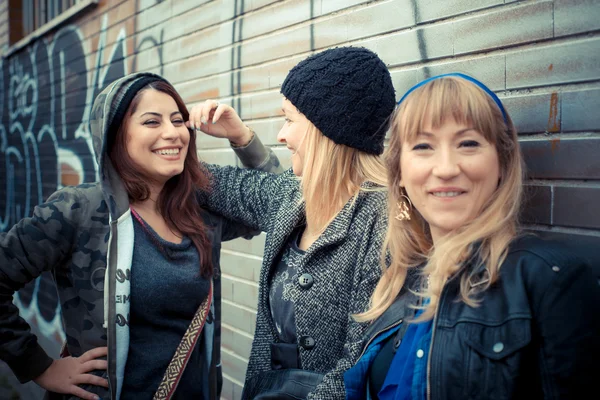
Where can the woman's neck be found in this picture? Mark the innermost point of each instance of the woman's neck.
(316, 223)
(318, 220)
(149, 205)
(151, 214)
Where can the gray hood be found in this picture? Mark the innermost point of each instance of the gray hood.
(113, 100)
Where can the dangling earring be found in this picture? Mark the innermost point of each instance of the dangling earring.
(404, 208)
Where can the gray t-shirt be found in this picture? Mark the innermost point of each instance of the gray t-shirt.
(166, 291)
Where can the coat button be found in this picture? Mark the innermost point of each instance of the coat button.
(305, 281)
(307, 342)
(420, 353)
(498, 347)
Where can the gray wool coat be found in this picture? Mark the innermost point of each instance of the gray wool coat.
(344, 263)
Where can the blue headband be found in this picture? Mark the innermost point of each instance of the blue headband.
(465, 77)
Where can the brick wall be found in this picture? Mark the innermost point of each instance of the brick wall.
(541, 57)
(3, 24)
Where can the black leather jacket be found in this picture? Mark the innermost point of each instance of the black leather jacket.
(536, 333)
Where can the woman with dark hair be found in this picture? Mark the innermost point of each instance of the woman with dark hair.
(134, 257)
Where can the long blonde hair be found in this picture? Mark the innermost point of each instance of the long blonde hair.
(331, 172)
(481, 242)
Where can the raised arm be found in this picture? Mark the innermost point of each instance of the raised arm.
(256, 155)
(245, 196)
(222, 121)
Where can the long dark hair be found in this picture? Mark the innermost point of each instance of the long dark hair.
(177, 202)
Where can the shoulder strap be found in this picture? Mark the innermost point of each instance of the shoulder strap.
(184, 350)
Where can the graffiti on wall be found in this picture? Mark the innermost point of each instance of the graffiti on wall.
(47, 91)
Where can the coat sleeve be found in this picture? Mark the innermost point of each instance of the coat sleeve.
(568, 323)
(32, 246)
(255, 156)
(366, 277)
(245, 196)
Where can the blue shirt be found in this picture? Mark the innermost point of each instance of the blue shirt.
(355, 379)
(407, 377)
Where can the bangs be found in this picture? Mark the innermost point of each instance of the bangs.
(444, 99)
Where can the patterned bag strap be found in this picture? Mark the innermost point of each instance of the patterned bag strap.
(184, 350)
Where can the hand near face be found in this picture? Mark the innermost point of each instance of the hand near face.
(219, 120)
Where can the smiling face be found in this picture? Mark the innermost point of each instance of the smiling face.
(292, 134)
(449, 173)
(156, 136)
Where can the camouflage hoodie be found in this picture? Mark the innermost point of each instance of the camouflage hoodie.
(84, 236)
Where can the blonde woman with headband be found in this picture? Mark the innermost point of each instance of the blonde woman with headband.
(325, 220)
(470, 307)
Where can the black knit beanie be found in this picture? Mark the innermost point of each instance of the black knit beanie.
(347, 93)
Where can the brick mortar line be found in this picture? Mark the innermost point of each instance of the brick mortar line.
(506, 50)
(230, 378)
(220, 149)
(569, 87)
(234, 354)
(237, 330)
(236, 279)
(276, 147)
(240, 306)
(482, 11)
(562, 135)
(239, 253)
(563, 183)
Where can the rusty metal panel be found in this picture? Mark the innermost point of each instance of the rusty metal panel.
(574, 61)
(581, 111)
(562, 158)
(537, 207)
(576, 16)
(534, 113)
(429, 10)
(488, 69)
(504, 27)
(577, 206)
